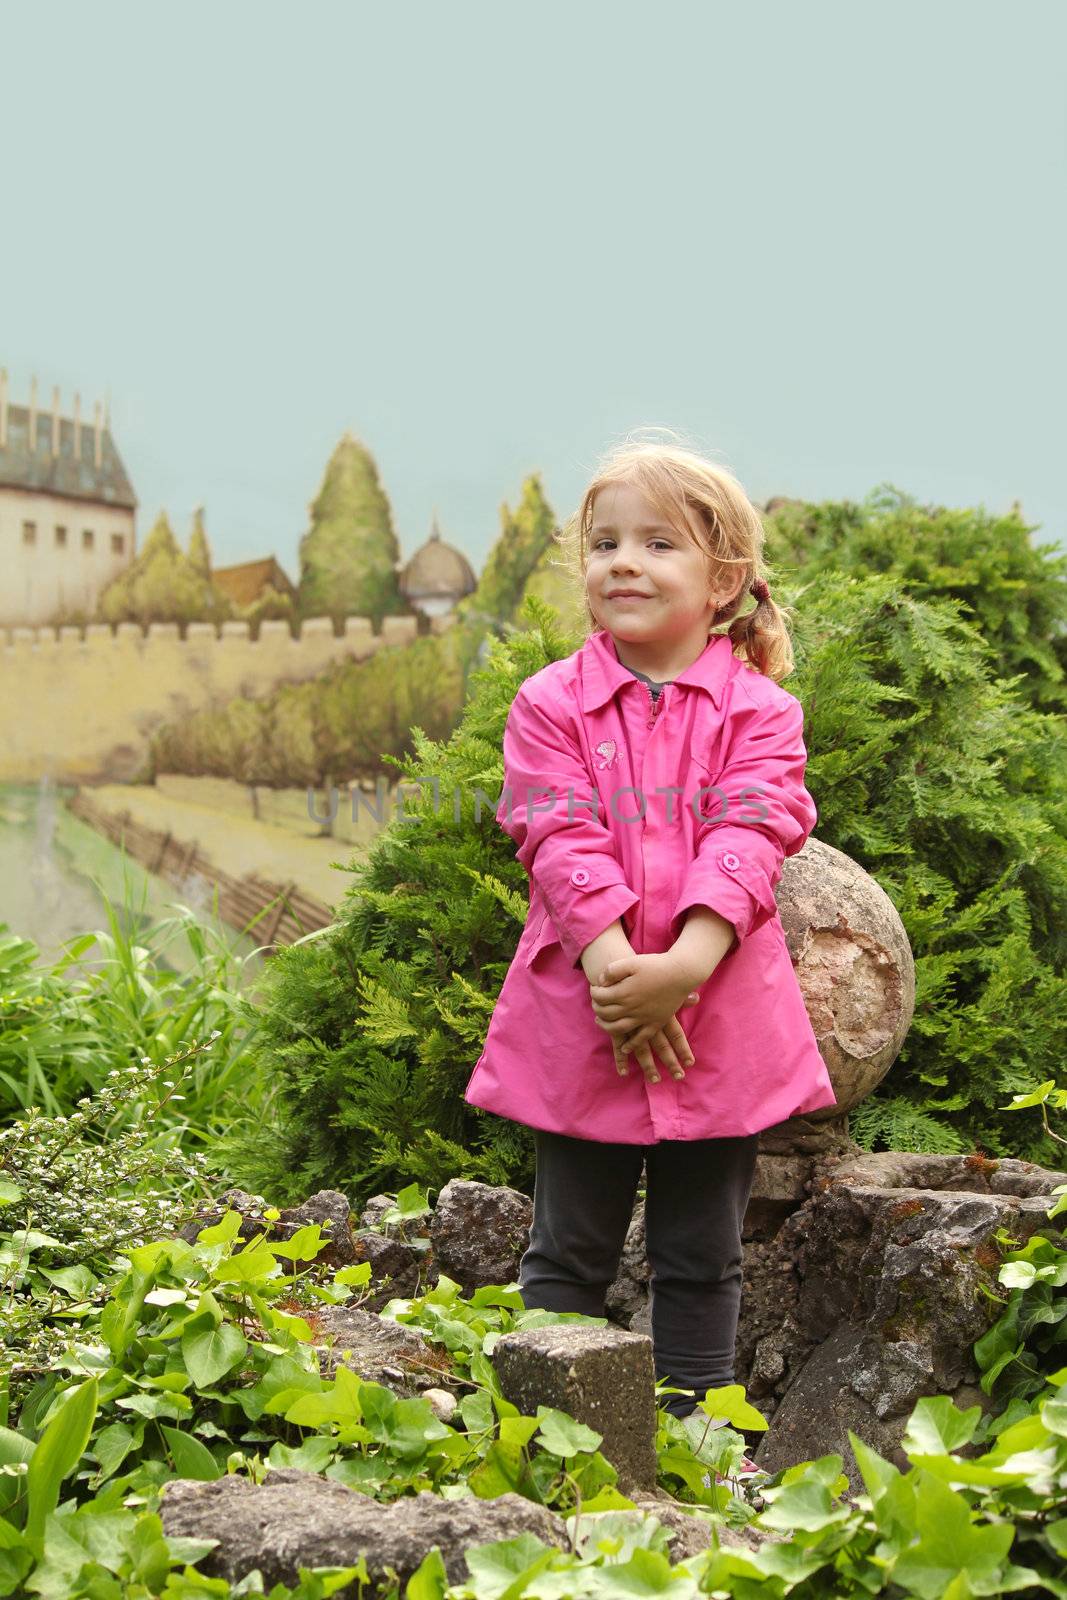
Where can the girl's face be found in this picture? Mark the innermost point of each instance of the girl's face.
(644, 582)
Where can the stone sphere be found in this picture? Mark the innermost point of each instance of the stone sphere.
(856, 971)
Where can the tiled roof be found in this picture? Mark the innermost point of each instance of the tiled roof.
(76, 478)
(247, 580)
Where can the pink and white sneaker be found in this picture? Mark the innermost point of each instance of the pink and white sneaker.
(745, 1474)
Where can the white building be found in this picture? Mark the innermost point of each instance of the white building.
(67, 511)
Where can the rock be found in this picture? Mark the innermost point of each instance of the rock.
(600, 1376)
(375, 1209)
(250, 1206)
(442, 1402)
(779, 1186)
(328, 1207)
(888, 1301)
(805, 1136)
(479, 1233)
(395, 1267)
(898, 1169)
(379, 1350)
(767, 1340)
(627, 1296)
(855, 968)
(295, 1519)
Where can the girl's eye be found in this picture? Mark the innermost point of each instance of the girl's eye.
(665, 543)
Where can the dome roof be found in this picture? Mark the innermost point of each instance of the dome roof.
(437, 569)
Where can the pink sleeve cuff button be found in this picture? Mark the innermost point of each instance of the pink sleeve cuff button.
(730, 861)
(579, 877)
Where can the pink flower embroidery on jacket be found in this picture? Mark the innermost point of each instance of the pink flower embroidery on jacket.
(606, 749)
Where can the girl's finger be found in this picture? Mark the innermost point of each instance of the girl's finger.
(666, 1054)
(648, 1066)
(618, 1030)
(621, 1027)
(674, 1033)
(611, 1012)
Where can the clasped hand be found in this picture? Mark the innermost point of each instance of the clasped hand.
(635, 1001)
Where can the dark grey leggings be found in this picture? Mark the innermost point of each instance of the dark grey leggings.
(696, 1192)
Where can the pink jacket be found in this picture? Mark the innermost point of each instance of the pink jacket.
(586, 725)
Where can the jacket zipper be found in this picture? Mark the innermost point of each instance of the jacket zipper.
(657, 707)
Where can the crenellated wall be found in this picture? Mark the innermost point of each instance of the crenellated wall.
(81, 707)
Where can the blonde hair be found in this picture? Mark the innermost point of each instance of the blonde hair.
(706, 504)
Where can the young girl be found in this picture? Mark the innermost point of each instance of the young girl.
(654, 782)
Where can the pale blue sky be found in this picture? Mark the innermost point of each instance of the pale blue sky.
(825, 241)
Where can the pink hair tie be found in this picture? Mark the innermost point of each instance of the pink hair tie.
(760, 590)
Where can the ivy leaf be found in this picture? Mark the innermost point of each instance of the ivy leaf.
(111, 1447)
(936, 1428)
(504, 1470)
(949, 1544)
(314, 1454)
(430, 1578)
(209, 1352)
(730, 1402)
(517, 1430)
(1054, 1412)
(505, 1568)
(564, 1436)
(304, 1245)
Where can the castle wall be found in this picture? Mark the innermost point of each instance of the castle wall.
(82, 708)
(39, 578)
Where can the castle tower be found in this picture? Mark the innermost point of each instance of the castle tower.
(67, 510)
(437, 576)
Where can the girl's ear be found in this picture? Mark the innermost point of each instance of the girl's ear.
(724, 602)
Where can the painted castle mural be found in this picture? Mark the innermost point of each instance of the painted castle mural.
(110, 639)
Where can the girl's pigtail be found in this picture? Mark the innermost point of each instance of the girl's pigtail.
(761, 636)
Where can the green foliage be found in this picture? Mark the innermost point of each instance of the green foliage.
(73, 1190)
(349, 555)
(64, 1034)
(1019, 1351)
(162, 584)
(1012, 590)
(931, 773)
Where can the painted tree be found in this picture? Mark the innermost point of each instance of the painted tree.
(524, 542)
(349, 555)
(199, 552)
(162, 584)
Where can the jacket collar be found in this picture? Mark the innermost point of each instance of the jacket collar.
(603, 673)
